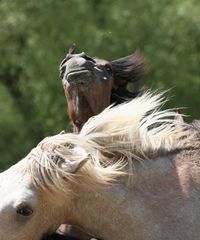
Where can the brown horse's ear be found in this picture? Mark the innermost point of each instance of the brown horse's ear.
(128, 69)
(72, 49)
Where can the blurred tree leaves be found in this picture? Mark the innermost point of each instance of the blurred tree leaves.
(35, 35)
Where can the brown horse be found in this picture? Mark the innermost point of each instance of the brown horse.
(92, 84)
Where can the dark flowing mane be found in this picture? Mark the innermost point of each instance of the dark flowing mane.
(130, 68)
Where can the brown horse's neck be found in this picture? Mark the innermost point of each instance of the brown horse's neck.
(79, 112)
(82, 105)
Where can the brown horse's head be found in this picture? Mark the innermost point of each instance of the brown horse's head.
(92, 84)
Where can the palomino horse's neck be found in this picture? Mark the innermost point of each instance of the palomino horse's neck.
(151, 207)
(90, 215)
(102, 213)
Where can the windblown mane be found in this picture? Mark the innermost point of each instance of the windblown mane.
(108, 143)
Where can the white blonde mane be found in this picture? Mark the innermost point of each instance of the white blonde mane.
(107, 142)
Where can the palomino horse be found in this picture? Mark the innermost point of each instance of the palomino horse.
(134, 175)
(92, 84)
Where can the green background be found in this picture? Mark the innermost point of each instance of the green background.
(35, 36)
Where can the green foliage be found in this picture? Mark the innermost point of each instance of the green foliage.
(35, 35)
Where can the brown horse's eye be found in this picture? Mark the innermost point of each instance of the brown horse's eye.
(25, 211)
(109, 69)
